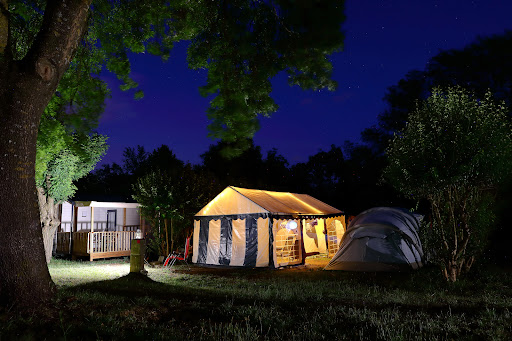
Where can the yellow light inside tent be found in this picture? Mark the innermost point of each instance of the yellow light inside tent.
(312, 209)
(209, 205)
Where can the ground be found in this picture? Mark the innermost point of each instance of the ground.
(101, 300)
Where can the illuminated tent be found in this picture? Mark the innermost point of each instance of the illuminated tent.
(380, 239)
(255, 228)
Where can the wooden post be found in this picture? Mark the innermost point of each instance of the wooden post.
(137, 254)
(124, 219)
(75, 219)
(91, 246)
(92, 219)
(59, 229)
(73, 231)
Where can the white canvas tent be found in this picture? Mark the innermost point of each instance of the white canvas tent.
(255, 228)
(380, 239)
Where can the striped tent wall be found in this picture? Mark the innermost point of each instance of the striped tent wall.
(236, 240)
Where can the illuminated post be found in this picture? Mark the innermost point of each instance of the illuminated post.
(124, 219)
(92, 219)
(137, 253)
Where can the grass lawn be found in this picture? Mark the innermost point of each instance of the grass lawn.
(99, 301)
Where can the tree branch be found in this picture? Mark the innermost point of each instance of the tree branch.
(63, 25)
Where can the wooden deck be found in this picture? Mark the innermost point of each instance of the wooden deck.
(95, 244)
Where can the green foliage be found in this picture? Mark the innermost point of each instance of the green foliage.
(452, 139)
(24, 23)
(80, 97)
(177, 193)
(245, 44)
(242, 43)
(62, 159)
(455, 149)
(244, 170)
(156, 194)
(480, 66)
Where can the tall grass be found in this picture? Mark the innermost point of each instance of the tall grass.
(98, 301)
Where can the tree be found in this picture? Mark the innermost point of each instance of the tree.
(135, 160)
(480, 66)
(276, 173)
(243, 170)
(454, 151)
(243, 44)
(65, 152)
(61, 159)
(108, 179)
(158, 201)
(363, 187)
(195, 187)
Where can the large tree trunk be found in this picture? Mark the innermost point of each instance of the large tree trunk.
(49, 214)
(26, 87)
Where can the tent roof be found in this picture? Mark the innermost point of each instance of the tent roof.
(283, 203)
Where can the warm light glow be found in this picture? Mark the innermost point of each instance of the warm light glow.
(291, 225)
(217, 198)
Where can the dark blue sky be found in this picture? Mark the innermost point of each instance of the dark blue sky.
(384, 40)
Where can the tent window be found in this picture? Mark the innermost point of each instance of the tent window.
(287, 243)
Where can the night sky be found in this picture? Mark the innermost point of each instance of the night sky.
(384, 40)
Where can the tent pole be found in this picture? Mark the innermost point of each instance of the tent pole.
(302, 248)
(271, 262)
(326, 234)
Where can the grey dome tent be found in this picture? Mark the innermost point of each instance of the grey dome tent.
(380, 239)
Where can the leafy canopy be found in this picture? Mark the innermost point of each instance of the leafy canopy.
(156, 195)
(452, 139)
(480, 66)
(242, 43)
(454, 149)
(62, 159)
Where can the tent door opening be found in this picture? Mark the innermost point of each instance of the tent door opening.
(287, 242)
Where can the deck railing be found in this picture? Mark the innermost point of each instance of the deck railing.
(96, 244)
(99, 226)
(108, 242)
